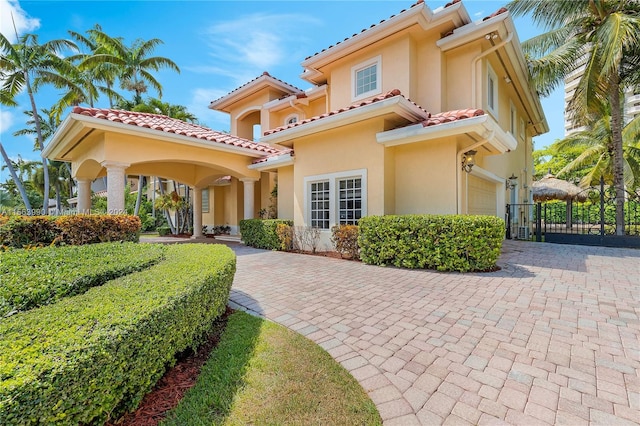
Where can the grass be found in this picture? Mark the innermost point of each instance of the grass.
(263, 373)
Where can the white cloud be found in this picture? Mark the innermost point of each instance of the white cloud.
(245, 47)
(23, 22)
(6, 120)
(200, 99)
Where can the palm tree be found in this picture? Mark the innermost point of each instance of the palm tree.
(596, 146)
(132, 62)
(156, 106)
(99, 72)
(59, 170)
(19, 63)
(16, 179)
(602, 34)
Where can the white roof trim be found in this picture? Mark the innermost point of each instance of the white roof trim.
(482, 125)
(83, 121)
(396, 104)
(251, 87)
(272, 163)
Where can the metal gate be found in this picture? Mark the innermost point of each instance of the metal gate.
(570, 222)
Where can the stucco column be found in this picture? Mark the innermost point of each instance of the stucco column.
(249, 185)
(84, 196)
(197, 213)
(115, 186)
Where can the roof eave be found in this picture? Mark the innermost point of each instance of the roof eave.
(249, 88)
(397, 104)
(101, 124)
(273, 164)
(482, 125)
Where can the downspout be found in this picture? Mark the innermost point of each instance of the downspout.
(297, 108)
(474, 65)
(459, 166)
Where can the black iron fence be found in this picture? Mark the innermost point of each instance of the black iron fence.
(590, 222)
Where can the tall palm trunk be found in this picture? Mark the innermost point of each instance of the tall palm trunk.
(16, 179)
(36, 119)
(136, 210)
(618, 161)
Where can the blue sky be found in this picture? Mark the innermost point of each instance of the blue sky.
(219, 45)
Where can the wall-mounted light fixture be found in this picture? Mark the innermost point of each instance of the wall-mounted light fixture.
(511, 181)
(507, 79)
(469, 160)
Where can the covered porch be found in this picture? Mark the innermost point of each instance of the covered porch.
(118, 144)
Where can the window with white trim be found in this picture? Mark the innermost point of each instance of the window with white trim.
(291, 119)
(513, 120)
(366, 78)
(205, 200)
(350, 201)
(335, 198)
(320, 205)
(492, 91)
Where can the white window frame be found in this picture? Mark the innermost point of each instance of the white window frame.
(492, 77)
(205, 200)
(291, 117)
(377, 62)
(513, 119)
(334, 194)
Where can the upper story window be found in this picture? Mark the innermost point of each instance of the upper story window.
(513, 120)
(366, 78)
(522, 129)
(492, 91)
(291, 119)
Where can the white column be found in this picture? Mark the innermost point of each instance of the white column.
(249, 185)
(84, 196)
(115, 186)
(197, 213)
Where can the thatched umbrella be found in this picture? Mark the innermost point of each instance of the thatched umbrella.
(552, 188)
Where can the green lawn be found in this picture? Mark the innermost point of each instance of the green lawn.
(263, 373)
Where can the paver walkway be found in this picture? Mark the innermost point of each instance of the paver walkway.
(552, 338)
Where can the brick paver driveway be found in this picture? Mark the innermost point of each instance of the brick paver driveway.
(552, 338)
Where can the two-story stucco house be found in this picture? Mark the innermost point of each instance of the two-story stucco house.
(424, 112)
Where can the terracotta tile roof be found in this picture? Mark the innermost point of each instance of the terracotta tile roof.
(274, 155)
(449, 116)
(265, 73)
(451, 3)
(391, 94)
(366, 29)
(171, 125)
(496, 13)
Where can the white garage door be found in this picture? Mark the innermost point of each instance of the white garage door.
(482, 196)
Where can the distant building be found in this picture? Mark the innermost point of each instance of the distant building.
(631, 104)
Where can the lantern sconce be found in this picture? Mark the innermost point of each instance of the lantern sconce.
(469, 160)
(511, 181)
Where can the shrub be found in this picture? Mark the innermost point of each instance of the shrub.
(31, 278)
(89, 358)
(87, 229)
(20, 231)
(261, 233)
(164, 230)
(285, 236)
(345, 240)
(445, 243)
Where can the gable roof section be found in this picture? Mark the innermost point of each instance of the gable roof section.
(418, 111)
(449, 116)
(153, 125)
(262, 81)
(417, 13)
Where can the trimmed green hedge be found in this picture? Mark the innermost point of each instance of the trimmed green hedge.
(261, 233)
(442, 242)
(21, 231)
(89, 358)
(32, 278)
